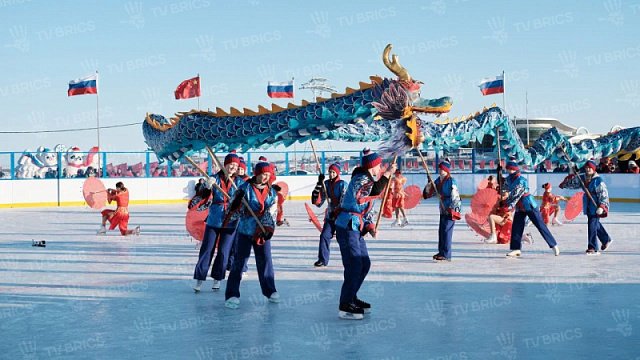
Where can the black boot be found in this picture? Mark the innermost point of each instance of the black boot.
(365, 306)
(350, 312)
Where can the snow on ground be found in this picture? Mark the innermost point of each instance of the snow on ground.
(111, 297)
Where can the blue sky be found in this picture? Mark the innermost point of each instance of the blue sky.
(577, 61)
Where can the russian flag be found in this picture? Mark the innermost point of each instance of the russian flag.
(280, 89)
(494, 85)
(85, 85)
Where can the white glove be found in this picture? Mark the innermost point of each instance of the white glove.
(210, 182)
(600, 211)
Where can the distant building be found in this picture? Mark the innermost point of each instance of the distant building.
(537, 126)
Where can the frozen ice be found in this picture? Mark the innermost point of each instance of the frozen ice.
(111, 297)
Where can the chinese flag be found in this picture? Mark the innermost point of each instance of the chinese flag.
(188, 89)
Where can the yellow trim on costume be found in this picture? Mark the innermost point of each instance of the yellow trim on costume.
(299, 197)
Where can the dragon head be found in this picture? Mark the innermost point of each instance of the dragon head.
(412, 87)
(401, 100)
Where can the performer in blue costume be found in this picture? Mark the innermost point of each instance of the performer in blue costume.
(261, 198)
(525, 206)
(449, 209)
(332, 192)
(242, 174)
(353, 223)
(216, 232)
(598, 190)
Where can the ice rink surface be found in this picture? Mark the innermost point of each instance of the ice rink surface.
(110, 297)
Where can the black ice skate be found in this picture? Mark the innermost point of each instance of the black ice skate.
(350, 312)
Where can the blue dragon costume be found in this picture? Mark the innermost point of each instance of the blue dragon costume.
(387, 110)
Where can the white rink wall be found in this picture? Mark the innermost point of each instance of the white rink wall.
(50, 192)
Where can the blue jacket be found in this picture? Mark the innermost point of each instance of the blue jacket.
(336, 190)
(266, 211)
(219, 203)
(597, 188)
(358, 199)
(448, 193)
(519, 197)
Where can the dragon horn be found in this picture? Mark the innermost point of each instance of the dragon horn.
(394, 65)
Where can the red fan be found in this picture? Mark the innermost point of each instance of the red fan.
(94, 192)
(195, 222)
(483, 184)
(413, 196)
(478, 224)
(483, 201)
(312, 217)
(285, 188)
(573, 207)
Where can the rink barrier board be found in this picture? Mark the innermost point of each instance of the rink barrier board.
(148, 191)
(183, 201)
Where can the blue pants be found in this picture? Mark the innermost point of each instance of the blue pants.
(517, 229)
(264, 266)
(232, 255)
(596, 231)
(445, 235)
(356, 262)
(225, 242)
(328, 229)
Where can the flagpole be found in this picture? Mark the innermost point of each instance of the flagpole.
(526, 113)
(504, 91)
(295, 153)
(200, 87)
(98, 124)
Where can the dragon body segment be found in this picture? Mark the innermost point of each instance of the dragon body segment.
(387, 110)
(170, 138)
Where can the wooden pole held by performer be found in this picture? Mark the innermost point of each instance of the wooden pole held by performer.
(385, 196)
(204, 173)
(499, 167)
(571, 169)
(430, 179)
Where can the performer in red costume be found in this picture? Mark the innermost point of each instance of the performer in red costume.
(550, 205)
(500, 223)
(120, 216)
(398, 196)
